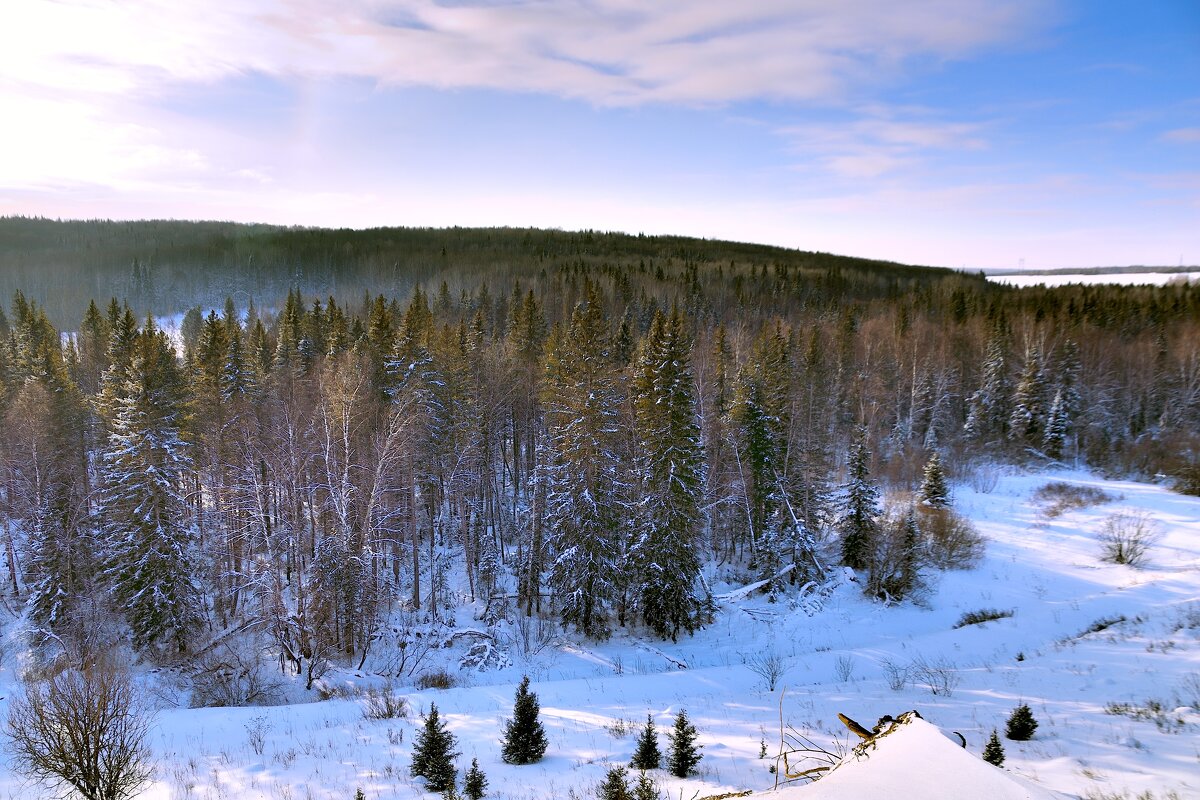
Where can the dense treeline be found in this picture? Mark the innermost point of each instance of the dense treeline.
(549, 425)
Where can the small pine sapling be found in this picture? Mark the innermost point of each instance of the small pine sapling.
(475, 782)
(524, 736)
(644, 788)
(1021, 724)
(685, 753)
(646, 755)
(614, 786)
(434, 754)
(935, 490)
(993, 751)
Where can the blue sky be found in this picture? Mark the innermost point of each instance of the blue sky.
(963, 133)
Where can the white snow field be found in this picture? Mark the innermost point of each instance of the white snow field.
(1107, 656)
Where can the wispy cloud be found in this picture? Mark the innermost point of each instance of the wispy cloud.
(1182, 135)
(602, 51)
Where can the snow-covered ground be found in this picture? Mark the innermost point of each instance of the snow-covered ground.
(1020, 279)
(841, 653)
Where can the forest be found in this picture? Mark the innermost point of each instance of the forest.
(333, 439)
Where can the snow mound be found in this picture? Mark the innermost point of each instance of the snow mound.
(915, 759)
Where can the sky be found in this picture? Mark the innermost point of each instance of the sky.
(960, 133)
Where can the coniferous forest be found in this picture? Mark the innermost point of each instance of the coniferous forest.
(342, 429)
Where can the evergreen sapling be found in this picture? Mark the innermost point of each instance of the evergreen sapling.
(1021, 724)
(524, 736)
(646, 755)
(434, 754)
(685, 753)
(993, 751)
(475, 782)
(614, 787)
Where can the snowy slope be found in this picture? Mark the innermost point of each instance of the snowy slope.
(916, 760)
(1107, 656)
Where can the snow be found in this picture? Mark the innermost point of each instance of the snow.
(917, 760)
(1092, 278)
(1107, 657)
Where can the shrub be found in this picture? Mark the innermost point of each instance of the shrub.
(1125, 538)
(939, 675)
(952, 541)
(1021, 724)
(768, 665)
(1059, 497)
(981, 616)
(993, 751)
(232, 676)
(385, 704)
(436, 679)
(82, 730)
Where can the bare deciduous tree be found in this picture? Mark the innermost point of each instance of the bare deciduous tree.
(82, 731)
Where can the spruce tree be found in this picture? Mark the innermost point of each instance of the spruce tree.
(664, 553)
(644, 788)
(524, 737)
(1021, 724)
(685, 753)
(859, 522)
(935, 491)
(474, 782)
(646, 755)
(433, 754)
(993, 751)
(1028, 417)
(614, 786)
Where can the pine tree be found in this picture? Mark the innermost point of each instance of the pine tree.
(665, 550)
(859, 522)
(993, 751)
(935, 491)
(1021, 724)
(685, 753)
(988, 408)
(474, 782)
(614, 786)
(524, 736)
(646, 755)
(434, 754)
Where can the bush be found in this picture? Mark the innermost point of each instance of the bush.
(952, 541)
(1059, 497)
(82, 730)
(232, 676)
(385, 704)
(1021, 724)
(1125, 538)
(980, 616)
(436, 679)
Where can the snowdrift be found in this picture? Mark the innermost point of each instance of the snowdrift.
(915, 759)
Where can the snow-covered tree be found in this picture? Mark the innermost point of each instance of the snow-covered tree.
(665, 550)
(1027, 420)
(988, 409)
(859, 520)
(935, 490)
(582, 472)
(145, 521)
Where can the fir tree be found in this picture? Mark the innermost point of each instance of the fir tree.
(988, 408)
(474, 782)
(1027, 419)
(434, 754)
(614, 786)
(646, 755)
(935, 491)
(1021, 724)
(859, 523)
(993, 751)
(685, 753)
(524, 737)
